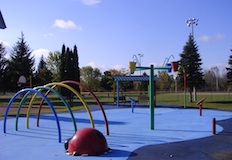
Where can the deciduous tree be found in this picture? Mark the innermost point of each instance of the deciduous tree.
(53, 64)
(3, 81)
(91, 77)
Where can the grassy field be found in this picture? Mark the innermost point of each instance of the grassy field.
(213, 100)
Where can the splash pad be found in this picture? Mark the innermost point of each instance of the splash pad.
(50, 88)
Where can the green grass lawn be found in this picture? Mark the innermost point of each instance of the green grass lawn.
(213, 100)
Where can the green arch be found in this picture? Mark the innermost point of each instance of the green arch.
(39, 88)
(71, 89)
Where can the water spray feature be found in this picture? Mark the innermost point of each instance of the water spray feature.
(50, 87)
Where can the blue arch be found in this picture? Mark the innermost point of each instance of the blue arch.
(39, 88)
(44, 97)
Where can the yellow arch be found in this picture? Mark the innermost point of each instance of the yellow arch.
(69, 88)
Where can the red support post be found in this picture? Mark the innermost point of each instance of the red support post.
(201, 109)
(200, 103)
(214, 126)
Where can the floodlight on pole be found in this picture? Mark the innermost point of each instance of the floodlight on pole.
(191, 22)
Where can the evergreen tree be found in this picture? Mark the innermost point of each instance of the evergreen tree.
(42, 75)
(3, 82)
(76, 66)
(229, 71)
(191, 62)
(70, 65)
(62, 64)
(21, 61)
(70, 69)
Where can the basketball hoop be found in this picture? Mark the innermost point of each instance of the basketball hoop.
(21, 80)
(19, 84)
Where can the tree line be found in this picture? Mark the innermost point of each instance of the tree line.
(64, 65)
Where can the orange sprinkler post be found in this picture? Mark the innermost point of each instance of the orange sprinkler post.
(201, 109)
(214, 126)
(200, 103)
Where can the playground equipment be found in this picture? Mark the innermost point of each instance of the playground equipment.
(87, 141)
(38, 91)
(133, 101)
(132, 67)
(214, 125)
(200, 103)
(176, 68)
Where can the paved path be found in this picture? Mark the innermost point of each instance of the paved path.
(217, 147)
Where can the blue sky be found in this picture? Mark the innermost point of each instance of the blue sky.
(109, 32)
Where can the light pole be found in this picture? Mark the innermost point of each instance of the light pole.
(216, 72)
(191, 22)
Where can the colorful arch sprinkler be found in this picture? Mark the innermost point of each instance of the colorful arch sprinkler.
(38, 91)
(87, 89)
(95, 97)
(69, 88)
(87, 141)
(45, 98)
(40, 88)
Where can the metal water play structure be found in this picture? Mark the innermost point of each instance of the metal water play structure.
(166, 66)
(50, 88)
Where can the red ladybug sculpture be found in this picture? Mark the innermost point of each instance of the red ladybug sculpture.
(87, 141)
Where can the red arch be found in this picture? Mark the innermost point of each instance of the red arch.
(87, 89)
(94, 96)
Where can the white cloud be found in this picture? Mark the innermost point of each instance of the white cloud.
(103, 68)
(219, 36)
(48, 35)
(91, 2)
(92, 64)
(59, 23)
(8, 48)
(118, 67)
(38, 54)
(207, 38)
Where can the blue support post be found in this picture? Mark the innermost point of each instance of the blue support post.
(117, 99)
